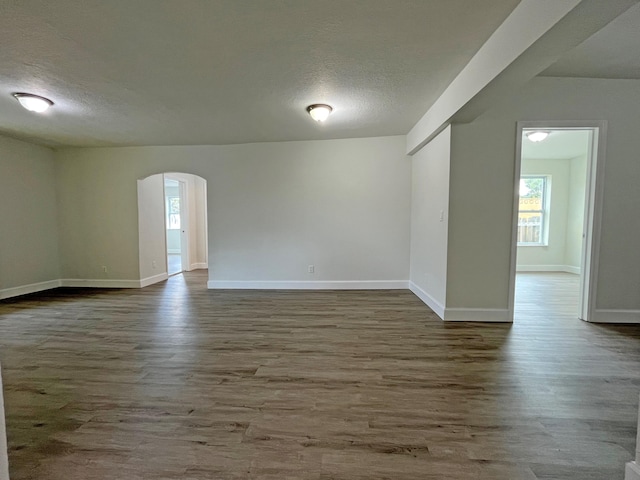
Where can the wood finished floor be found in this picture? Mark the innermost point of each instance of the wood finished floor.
(178, 382)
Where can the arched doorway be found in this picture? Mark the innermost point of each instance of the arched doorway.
(172, 222)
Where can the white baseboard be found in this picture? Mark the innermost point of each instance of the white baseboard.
(252, 285)
(309, 285)
(198, 266)
(548, 268)
(477, 315)
(632, 471)
(461, 314)
(431, 302)
(174, 251)
(99, 283)
(615, 316)
(26, 289)
(145, 282)
(80, 282)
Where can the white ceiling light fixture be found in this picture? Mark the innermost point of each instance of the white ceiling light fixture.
(33, 103)
(537, 135)
(319, 111)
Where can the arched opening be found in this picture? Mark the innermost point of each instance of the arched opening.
(172, 225)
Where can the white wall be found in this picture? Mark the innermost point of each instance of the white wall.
(200, 217)
(28, 218)
(153, 255)
(575, 214)
(429, 221)
(482, 165)
(274, 208)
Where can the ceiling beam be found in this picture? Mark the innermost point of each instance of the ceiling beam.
(534, 36)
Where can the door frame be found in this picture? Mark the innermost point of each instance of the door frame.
(184, 220)
(593, 209)
(184, 226)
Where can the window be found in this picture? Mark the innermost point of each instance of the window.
(533, 210)
(173, 213)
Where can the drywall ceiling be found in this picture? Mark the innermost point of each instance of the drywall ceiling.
(613, 52)
(559, 145)
(169, 72)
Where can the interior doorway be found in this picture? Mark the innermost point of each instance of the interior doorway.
(556, 219)
(172, 225)
(175, 224)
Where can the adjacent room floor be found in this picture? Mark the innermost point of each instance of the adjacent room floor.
(174, 263)
(546, 295)
(175, 381)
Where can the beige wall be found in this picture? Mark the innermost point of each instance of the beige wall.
(575, 213)
(274, 209)
(28, 216)
(200, 217)
(429, 220)
(482, 164)
(153, 256)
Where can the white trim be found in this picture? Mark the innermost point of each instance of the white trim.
(99, 283)
(615, 316)
(26, 289)
(174, 251)
(145, 282)
(632, 471)
(184, 185)
(593, 220)
(593, 208)
(572, 269)
(309, 285)
(548, 268)
(477, 315)
(461, 314)
(431, 302)
(196, 266)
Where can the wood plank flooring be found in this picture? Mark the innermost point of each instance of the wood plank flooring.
(175, 381)
(542, 297)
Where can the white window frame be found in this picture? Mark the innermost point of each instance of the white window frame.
(545, 212)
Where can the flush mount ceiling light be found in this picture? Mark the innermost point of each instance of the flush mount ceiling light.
(537, 135)
(319, 111)
(33, 103)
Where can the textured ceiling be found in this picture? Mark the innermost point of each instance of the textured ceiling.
(613, 52)
(170, 72)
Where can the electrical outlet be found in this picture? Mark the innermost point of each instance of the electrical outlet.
(311, 269)
(441, 215)
(104, 268)
(153, 264)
